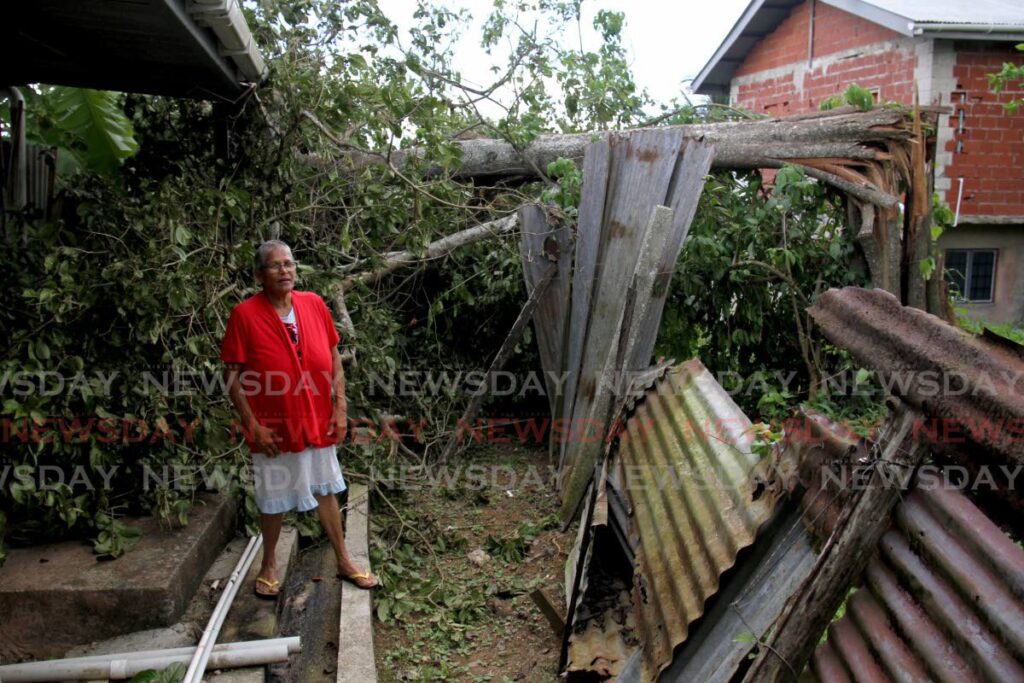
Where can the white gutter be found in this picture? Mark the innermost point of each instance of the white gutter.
(922, 28)
(225, 19)
(125, 665)
(205, 648)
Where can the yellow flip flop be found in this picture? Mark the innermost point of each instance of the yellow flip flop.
(354, 579)
(271, 586)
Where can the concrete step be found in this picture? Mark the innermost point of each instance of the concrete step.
(250, 618)
(355, 626)
(58, 596)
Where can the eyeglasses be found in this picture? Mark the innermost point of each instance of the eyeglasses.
(281, 265)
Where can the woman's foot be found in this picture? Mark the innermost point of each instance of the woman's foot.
(267, 585)
(360, 577)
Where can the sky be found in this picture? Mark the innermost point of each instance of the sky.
(667, 40)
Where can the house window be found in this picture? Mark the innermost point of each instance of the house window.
(971, 273)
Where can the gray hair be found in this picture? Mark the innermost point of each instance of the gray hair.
(264, 251)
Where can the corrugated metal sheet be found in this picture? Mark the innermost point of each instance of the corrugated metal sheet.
(969, 389)
(976, 12)
(941, 602)
(696, 499)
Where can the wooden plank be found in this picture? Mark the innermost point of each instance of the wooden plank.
(688, 183)
(596, 167)
(643, 165)
(547, 607)
(540, 244)
(843, 558)
(355, 626)
(747, 605)
(632, 184)
(609, 381)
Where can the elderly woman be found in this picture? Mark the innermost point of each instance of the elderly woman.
(285, 379)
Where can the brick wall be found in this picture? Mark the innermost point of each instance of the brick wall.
(834, 31)
(775, 78)
(988, 151)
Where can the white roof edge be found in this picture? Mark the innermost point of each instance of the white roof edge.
(883, 17)
(737, 30)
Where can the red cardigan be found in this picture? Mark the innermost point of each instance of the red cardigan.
(290, 396)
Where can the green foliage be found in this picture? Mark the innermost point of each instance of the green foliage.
(172, 674)
(115, 538)
(854, 95)
(1006, 78)
(88, 127)
(1006, 330)
(568, 186)
(753, 261)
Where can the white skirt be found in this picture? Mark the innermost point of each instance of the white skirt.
(291, 481)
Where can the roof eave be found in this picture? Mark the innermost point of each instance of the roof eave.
(1006, 32)
(698, 84)
(876, 15)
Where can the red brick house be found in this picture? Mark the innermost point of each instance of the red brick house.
(787, 56)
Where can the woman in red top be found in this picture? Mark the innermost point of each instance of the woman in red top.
(283, 368)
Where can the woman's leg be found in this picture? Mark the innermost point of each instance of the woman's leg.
(330, 518)
(271, 528)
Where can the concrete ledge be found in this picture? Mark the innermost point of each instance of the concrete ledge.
(56, 596)
(355, 626)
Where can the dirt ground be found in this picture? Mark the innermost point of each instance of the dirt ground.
(461, 550)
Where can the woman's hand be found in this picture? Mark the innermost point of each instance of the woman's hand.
(266, 440)
(338, 424)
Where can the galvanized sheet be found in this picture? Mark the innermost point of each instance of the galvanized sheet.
(942, 601)
(688, 473)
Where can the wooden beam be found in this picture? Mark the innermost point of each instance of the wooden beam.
(846, 553)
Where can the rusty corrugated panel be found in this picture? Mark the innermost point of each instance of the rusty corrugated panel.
(696, 499)
(970, 389)
(943, 600)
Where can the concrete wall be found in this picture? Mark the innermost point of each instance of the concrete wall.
(1008, 240)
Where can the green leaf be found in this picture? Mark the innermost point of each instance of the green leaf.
(101, 136)
(859, 97)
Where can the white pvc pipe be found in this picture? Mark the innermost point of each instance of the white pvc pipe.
(202, 655)
(959, 197)
(119, 669)
(292, 643)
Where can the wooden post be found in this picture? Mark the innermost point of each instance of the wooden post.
(843, 558)
(503, 354)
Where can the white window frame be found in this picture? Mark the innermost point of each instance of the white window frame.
(968, 271)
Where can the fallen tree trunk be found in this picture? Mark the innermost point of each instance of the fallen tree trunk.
(856, 136)
(435, 250)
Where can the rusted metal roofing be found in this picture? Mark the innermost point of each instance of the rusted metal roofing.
(966, 381)
(941, 602)
(696, 498)
(968, 388)
(942, 598)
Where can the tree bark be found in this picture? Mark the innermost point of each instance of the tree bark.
(859, 136)
(436, 249)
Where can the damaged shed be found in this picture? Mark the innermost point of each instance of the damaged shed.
(703, 552)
